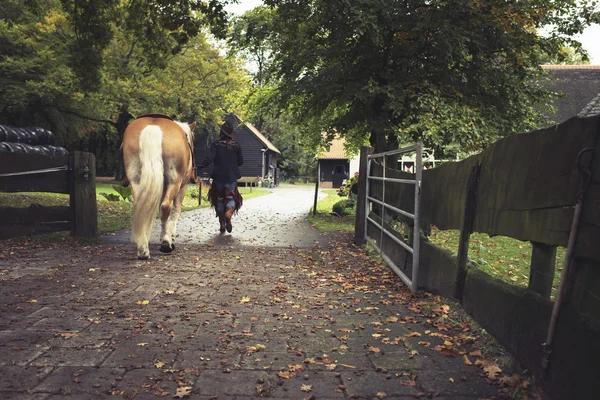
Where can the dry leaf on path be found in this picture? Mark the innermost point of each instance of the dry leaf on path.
(182, 391)
(306, 388)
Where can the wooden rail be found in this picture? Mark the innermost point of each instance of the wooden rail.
(74, 175)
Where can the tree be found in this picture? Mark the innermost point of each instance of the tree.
(566, 56)
(251, 36)
(464, 72)
(42, 86)
(161, 28)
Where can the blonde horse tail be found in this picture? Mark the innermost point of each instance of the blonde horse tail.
(150, 187)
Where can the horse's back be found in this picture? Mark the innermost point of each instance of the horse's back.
(174, 144)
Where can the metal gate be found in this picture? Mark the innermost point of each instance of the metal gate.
(375, 242)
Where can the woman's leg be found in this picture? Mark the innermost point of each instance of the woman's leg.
(229, 204)
(220, 207)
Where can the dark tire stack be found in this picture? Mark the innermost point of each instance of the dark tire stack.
(31, 140)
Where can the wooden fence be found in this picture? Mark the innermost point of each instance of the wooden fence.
(527, 187)
(74, 175)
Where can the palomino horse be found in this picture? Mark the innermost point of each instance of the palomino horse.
(158, 154)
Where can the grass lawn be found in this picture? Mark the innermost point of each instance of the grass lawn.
(112, 215)
(502, 257)
(324, 220)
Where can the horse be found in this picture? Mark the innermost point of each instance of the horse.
(158, 153)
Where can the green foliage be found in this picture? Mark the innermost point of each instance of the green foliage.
(84, 69)
(123, 191)
(405, 70)
(344, 207)
(110, 196)
(325, 220)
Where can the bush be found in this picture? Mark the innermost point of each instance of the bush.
(344, 207)
(346, 189)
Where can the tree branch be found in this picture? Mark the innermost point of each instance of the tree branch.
(75, 113)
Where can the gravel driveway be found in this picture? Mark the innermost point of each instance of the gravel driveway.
(278, 219)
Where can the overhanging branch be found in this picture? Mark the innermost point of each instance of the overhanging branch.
(77, 114)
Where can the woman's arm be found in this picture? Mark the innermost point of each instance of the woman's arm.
(212, 153)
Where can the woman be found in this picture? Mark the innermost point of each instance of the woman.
(226, 154)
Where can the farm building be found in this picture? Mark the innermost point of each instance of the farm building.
(335, 166)
(580, 87)
(260, 155)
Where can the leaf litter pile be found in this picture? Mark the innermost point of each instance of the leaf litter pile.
(325, 322)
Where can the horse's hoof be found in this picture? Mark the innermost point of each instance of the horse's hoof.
(142, 257)
(165, 248)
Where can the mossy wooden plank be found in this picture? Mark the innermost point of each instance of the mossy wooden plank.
(18, 162)
(534, 170)
(50, 182)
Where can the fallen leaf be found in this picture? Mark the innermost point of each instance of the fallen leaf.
(306, 388)
(492, 370)
(466, 360)
(69, 335)
(245, 299)
(159, 364)
(451, 380)
(142, 302)
(476, 353)
(511, 381)
(182, 391)
(448, 352)
(31, 301)
(381, 395)
(286, 374)
(374, 349)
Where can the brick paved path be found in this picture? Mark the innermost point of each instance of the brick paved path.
(89, 321)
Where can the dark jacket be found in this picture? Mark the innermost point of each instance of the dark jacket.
(227, 157)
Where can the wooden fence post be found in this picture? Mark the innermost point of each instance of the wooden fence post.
(465, 230)
(317, 188)
(359, 224)
(82, 184)
(543, 264)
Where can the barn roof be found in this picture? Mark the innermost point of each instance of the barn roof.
(335, 152)
(261, 137)
(580, 85)
(237, 122)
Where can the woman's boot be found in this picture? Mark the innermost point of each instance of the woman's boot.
(228, 215)
(222, 223)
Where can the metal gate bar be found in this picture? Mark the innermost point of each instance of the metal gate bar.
(414, 250)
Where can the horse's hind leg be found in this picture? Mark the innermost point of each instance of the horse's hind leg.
(170, 209)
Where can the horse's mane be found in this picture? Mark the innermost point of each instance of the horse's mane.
(187, 130)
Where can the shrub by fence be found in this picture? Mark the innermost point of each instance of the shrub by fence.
(526, 187)
(74, 175)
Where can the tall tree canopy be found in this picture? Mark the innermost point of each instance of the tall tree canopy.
(459, 72)
(67, 63)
